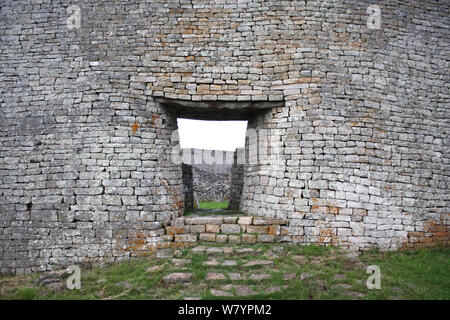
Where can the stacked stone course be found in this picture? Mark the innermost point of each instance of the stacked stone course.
(228, 229)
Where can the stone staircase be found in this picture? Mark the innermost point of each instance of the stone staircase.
(227, 229)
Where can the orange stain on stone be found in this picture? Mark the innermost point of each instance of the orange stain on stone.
(135, 127)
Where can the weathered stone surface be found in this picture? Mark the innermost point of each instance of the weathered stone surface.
(180, 262)
(211, 263)
(209, 182)
(228, 263)
(234, 276)
(213, 228)
(244, 291)
(188, 237)
(248, 238)
(259, 276)
(227, 250)
(234, 239)
(258, 262)
(220, 293)
(215, 276)
(278, 249)
(154, 268)
(210, 237)
(258, 222)
(222, 238)
(246, 251)
(245, 220)
(164, 253)
(204, 220)
(258, 229)
(175, 229)
(230, 220)
(198, 250)
(265, 238)
(196, 228)
(214, 250)
(273, 289)
(177, 277)
(230, 228)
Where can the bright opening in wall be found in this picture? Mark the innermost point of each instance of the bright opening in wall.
(212, 135)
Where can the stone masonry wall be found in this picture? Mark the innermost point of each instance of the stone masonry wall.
(210, 182)
(365, 131)
(237, 182)
(358, 153)
(209, 186)
(188, 186)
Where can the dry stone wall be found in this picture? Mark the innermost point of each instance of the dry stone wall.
(210, 182)
(358, 146)
(209, 186)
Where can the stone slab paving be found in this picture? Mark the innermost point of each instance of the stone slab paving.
(228, 250)
(155, 268)
(180, 262)
(165, 253)
(234, 276)
(229, 263)
(217, 259)
(247, 251)
(273, 289)
(243, 291)
(177, 277)
(211, 263)
(215, 276)
(258, 262)
(220, 293)
(214, 250)
(198, 250)
(259, 276)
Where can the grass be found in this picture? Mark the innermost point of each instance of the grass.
(418, 274)
(213, 204)
(211, 208)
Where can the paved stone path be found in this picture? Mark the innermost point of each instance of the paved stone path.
(254, 275)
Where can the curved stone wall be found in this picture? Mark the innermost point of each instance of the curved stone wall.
(358, 153)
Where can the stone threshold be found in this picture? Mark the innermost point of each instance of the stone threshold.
(226, 229)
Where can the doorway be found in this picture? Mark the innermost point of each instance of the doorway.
(243, 157)
(208, 151)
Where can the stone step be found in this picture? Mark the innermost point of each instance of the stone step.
(225, 250)
(215, 263)
(235, 276)
(227, 229)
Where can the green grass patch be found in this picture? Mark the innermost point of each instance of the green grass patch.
(316, 272)
(412, 274)
(213, 204)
